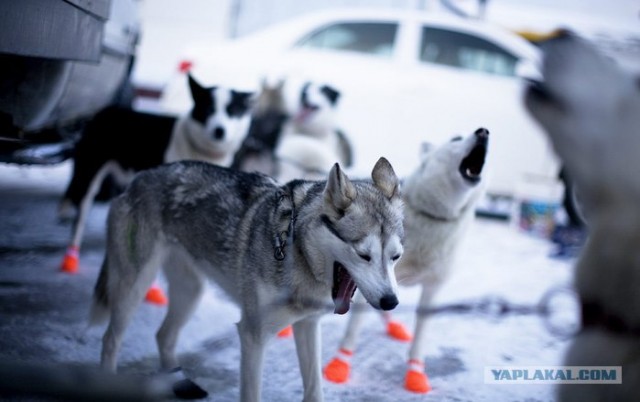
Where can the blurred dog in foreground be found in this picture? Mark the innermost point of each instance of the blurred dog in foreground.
(286, 254)
(590, 109)
(439, 205)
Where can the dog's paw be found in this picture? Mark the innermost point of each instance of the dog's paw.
(187, 389)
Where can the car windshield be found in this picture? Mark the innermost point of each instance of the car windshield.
(457, 49)
(374, 38)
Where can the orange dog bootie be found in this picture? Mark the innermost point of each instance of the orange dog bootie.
(70, 261)
(416, 380)
(339, 368)
(155, 295)
(398, 331)
(286, 332)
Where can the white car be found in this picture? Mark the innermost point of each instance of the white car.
(405, 77)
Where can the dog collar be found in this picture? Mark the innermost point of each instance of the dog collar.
(595, 315)
(284, 203)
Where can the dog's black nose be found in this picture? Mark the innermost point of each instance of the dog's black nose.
(482, 133)
(388, 302)
(218, 133)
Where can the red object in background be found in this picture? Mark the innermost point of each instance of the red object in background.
(185, 65)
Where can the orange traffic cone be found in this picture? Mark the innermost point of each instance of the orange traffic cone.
(70, 261)
(155, 295)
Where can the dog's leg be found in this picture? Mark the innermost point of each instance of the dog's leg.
(70, 263)
(307, 336)
(185, 289)
(127, 288)
(416, 379)
(122, 311)
(339, 367)
(252, 348)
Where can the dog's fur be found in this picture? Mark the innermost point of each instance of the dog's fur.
(257, 152)
(119, 142)
(281, 252)
(590, 109)
(439, 198)
(311, 141)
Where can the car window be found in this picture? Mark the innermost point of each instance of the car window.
(461, 50)
(367, 37)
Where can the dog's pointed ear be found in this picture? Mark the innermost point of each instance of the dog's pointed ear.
(425, 149)
(339, 192)
(247, 99)
(385, 178)
(198, 92)
(331, 93)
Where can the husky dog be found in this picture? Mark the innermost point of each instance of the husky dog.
(283, 253)
(257, 152)
(215, 127)
(590, 109)
(119, 142)
(311, 142)
(439, 205)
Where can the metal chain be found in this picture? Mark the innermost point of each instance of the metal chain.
(498, 307)
(552, 304)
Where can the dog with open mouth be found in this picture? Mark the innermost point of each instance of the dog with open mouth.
(311, 141)
(439, 204)
(286, 254)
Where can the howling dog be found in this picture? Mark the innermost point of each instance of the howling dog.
(590, 109)
(439, 205)
(286, 254)
(119, 142)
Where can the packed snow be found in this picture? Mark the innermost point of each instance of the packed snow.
(45, 311)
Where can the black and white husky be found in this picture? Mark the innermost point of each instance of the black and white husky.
(286, 254)
(311, 141)
(119, 142)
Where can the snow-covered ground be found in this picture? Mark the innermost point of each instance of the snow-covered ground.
(44, 313)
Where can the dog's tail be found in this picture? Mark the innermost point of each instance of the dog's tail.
(100, 310)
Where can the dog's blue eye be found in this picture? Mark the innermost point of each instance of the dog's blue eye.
(365, 257)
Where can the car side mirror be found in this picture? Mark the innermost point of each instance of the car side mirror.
(528, 69)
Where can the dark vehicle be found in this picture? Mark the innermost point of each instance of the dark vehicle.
(61, 61)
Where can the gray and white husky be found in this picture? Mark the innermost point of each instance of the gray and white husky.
(439, 205)
(286, 254)
(590, 108)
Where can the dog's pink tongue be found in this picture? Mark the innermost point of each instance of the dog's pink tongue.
(303, 115)
(345, 293)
